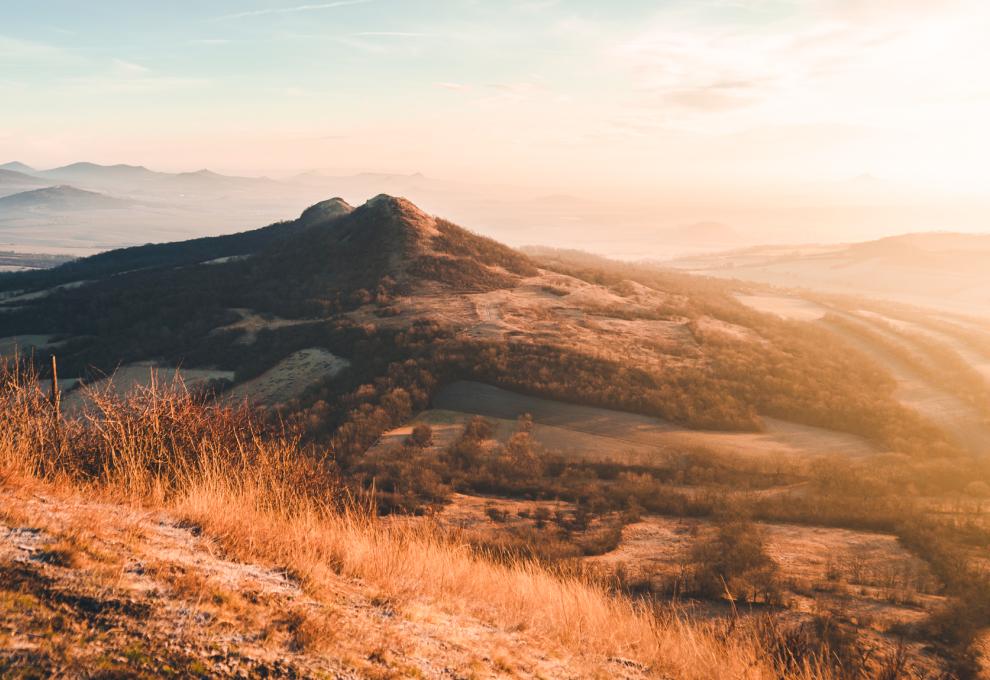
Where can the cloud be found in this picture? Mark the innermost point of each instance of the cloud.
(817, 65)
(128, 69)
(293, 10)
(393, 34)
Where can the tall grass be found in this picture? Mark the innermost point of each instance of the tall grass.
(264, 498)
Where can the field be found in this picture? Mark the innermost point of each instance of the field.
(290, 377)
(601, 434)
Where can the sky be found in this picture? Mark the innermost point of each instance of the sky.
(717, 99)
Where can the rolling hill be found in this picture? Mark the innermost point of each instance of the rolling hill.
(937, 270)
(17, 166)
(12, 181)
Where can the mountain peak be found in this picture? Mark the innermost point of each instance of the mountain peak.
(325, 210)
(393, 203)
(404, 210)
(388, 239)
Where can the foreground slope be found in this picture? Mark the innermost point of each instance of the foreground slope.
(176, 536)
(91, 587)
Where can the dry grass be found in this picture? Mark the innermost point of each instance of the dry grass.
(264, 500)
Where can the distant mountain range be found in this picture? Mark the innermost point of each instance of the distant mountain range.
(67, 209)
(179, 206)
(175, 206)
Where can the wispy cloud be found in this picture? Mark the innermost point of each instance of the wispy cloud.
(292, 10)
(128, 69)
(394, 34)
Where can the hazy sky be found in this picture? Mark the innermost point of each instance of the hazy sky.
(621, 96)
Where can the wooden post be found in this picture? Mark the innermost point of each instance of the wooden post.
(56, 396)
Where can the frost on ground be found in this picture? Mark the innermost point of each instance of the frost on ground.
(94, 589)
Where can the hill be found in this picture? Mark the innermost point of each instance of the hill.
(17, 166)
(937, 270)
(12, 181)
(58, 199)
(91, 171)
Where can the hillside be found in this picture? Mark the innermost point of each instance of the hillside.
(141, 593)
